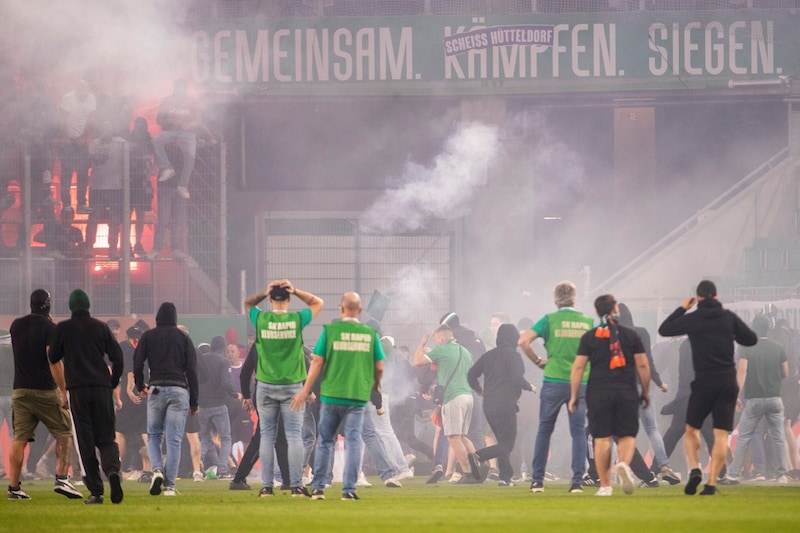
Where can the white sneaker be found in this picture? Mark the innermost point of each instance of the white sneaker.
(166, 174)
(604, 491)
(405, 474)
(455, 478)
(782, 480)
(362, 481)
(392, 483)
(134, 475)
(625, 477)
(198, 476)
(306, 480)
(170, 491)
(64, 487)
(183, 192)
(411, 459)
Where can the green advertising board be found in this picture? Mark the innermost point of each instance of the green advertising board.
(499, 54)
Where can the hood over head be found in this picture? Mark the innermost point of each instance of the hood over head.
(218, 345)
(507, 336)
(167, 315)
(625, 316)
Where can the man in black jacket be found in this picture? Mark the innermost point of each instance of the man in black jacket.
(503, 382)
(83, 342)
(712, 331)
(171, 394)
(214, 418)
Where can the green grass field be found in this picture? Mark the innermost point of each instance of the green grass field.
(210, 506)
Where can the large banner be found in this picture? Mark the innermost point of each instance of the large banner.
(497, 54)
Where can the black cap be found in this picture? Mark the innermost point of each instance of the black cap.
(278, 293)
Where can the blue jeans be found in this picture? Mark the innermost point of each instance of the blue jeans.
(215, 419)
(330, 416)
(272, 400)
(309, 435)
(647, 415)
(771, 409)
(374, 445)
(187, 140)
(167, 408)
(385, 431)
(551, 398)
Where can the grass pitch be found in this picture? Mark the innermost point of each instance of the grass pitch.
(210, 506)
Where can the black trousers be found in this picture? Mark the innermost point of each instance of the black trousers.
(93, 415)
(250, 455)
(504, 426)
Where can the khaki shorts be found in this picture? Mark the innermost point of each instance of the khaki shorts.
(456, 415)
(31, 406)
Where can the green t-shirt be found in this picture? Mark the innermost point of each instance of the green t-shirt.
(350, 350)
(446, 358)
(279, 343)
(764, 369)
(561, 332)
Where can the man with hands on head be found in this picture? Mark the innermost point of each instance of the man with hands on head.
(617, 356)
(280, 373)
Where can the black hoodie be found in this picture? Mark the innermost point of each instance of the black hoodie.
(626, 319)
(169, 353)
(218, 385)
(712, 331)
(503, 372)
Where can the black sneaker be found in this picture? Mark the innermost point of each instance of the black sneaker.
(576, 488)
(589, 481)
(708, 490)
(671, 477)
(503, 483)
(94, 500)
(115, 483)
(346, 496)
(265, 492)
(156, 482)
(146, 477)
(651, 484)
(239, 485)
(318, 494)
(17, 493)
(537, 486)
(475, 466)
(728, 480)
(436, 475)
(695, 477)
(300, 492)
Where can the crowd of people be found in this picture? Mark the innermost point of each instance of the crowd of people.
(136, 404)
(82, 138)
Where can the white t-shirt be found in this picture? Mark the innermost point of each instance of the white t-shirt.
(76, 113)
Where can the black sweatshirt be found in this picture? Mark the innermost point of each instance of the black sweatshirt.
(502, 370)
(712, 331)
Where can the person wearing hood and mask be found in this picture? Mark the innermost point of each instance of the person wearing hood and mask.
(214, 414)
(172, 392)
(83, 343)
(503, 382)
(712, 331)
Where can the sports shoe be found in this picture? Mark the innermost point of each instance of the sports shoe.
(729, 480)
(94, 499)
(350, 496)
(604, 491)
(157, 481)
(265, 492)
(115, 482)
(318, 494)
(708, 490)
(170, 491)
(133, 475)
(362, 481)
(300, 492)
(146, 477)
(166, 174)
(64, 487)
(211, 473)
(239, 485)
(537, 486)
(625, 477)
(183, 192)
(493, 474)
(436, 475)
(198, 476)
(550, 477)
(576, 488)
(392, 483)
(782, 480)
(503, 483)
(758, 476)
(225, 476)
(670, 476)
(17, 493)
(475, 465)
(411, 459)
(695, 477)
(405, 474)
(455, 477)
(589, 481)
(84, 209)
(651, 484)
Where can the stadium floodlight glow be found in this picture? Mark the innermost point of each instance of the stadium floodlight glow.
(551, 218)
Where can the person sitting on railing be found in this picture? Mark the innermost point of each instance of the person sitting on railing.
(62, 239)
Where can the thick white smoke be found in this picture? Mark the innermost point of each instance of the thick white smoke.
(442, 190)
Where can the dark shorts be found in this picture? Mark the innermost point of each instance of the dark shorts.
(612, 412)
(790, 394)
(714, 395)
(31, 406)
(132, 418)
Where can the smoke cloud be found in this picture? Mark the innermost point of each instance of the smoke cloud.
(442, 190)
